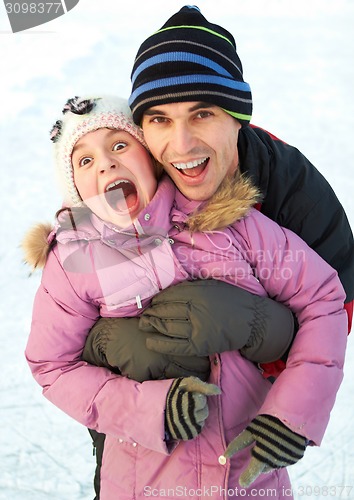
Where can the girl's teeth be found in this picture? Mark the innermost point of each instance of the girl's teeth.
(116, 183)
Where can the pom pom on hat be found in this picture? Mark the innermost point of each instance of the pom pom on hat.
(82, 115)
(190, 59)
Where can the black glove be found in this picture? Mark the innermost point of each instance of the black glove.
(118, 344)
(276, 446)
(204, 317)
(187, 407)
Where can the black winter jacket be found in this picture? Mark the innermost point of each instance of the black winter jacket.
(298, 197)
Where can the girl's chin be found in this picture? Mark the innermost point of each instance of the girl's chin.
(121, 218)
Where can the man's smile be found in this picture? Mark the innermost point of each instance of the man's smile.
(192, 168)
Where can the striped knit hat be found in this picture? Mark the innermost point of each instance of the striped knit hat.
(81, 115)
(190, 59)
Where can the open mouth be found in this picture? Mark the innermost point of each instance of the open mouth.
(192, 168)
(121, 195)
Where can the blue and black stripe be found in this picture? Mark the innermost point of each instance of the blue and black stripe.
(190, 59)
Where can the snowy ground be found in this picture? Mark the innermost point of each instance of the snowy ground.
(298, 58)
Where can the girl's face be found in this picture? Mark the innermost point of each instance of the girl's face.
(114, 175)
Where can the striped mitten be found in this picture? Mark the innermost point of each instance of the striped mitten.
(276, 446)
(187, 407)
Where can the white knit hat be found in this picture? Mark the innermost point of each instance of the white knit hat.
(80, 116)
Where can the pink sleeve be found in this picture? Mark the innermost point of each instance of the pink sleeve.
(292, 273)
(93, 396)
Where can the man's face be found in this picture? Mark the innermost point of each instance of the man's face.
(195, 142)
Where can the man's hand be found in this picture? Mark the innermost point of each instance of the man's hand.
(119, 344)
(204, 317)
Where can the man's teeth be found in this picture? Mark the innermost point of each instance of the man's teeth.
(112, 185)
(190, 164)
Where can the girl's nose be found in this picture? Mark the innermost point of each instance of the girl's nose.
(106, 164)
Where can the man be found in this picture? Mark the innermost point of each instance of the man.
(189, 96)
(187, 75)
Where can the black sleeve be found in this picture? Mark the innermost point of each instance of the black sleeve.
(298, 197)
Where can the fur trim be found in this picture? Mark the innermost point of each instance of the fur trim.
(35, 245)
(231, 202)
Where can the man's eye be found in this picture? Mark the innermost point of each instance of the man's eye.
(159, 119)
(85, 161)
(203, 114)
(119, 145)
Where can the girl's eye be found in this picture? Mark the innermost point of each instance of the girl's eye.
(119, 145)
(85, 161)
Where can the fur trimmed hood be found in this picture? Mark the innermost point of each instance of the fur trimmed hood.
(36, 245)
(232, 202)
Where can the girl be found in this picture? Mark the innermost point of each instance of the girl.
(109, 257)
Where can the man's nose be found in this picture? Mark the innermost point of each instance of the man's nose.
(182, 138)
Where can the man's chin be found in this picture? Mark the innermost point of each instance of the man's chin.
(187, 183)
(197, 192)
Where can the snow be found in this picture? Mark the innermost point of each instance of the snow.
(298, 58)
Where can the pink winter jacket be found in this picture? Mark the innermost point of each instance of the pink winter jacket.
(96, 270)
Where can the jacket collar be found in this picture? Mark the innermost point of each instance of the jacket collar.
(153, 220)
